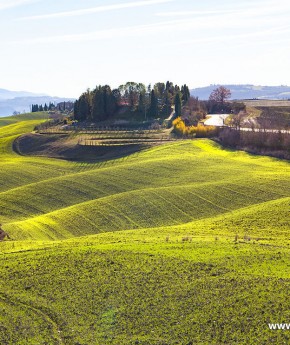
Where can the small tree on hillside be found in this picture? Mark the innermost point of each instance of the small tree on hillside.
(238, 119)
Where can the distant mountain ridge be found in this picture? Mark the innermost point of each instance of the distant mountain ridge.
(21, 101)
(246, 91)
(7, 94)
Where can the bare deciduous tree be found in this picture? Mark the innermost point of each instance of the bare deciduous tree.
(220, 95)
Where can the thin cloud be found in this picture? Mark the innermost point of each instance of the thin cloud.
(255, 9)
(130, 31)
(4, 4)
(193, 13)
(147, 29)
(262, 33)
(98, 9)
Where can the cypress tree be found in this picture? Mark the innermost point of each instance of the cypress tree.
(167, 103)
(111, 104)
(185, 93)
(177, 103)
(153, 110)
(83, 108)
(98, 105)
(141, 102)
(76, 109)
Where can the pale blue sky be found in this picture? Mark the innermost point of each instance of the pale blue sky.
(63, 47)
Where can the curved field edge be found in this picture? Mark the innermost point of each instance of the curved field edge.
(143, 208)
(241, 226)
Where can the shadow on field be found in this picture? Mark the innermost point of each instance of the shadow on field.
(66, 147)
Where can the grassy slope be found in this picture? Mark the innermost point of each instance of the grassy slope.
(181, 278)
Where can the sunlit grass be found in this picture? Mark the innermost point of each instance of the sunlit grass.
(184, 243)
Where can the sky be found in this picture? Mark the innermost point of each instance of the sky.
(64, 47)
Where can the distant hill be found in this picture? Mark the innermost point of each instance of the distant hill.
(20, 101)
(7, 94)
(246, 91)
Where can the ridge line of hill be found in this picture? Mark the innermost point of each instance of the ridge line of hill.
(142, 231)
(104, 199)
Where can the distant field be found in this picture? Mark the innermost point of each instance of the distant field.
(266, 103)
(271, 114)
(182, 243)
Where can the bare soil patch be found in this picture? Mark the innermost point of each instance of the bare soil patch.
(67, 147)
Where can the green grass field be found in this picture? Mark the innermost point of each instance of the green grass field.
(183, 243)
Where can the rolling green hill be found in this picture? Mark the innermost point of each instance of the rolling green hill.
(183, 243)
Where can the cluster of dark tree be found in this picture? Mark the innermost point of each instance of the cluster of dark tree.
(214, 107)
(65, 106)
(62, 106)
(153, 102)
(39, 107)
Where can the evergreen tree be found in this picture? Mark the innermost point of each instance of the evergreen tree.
(98, 105)
(110, 103)
(83, 108)
(117, 96)
(167, 103)
(45, 108)
(178, 104)
(185, 93)
(141, 102)
(153, 109)
(159, 89)
(76, 109)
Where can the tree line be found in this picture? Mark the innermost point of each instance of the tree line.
(104, 102)
(62, 106)
(39, 107)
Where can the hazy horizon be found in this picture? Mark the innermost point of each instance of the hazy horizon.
(63, 47)
(41, 94)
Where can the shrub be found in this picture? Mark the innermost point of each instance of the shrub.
(179, 126)
(199, 131)
(206, 131)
